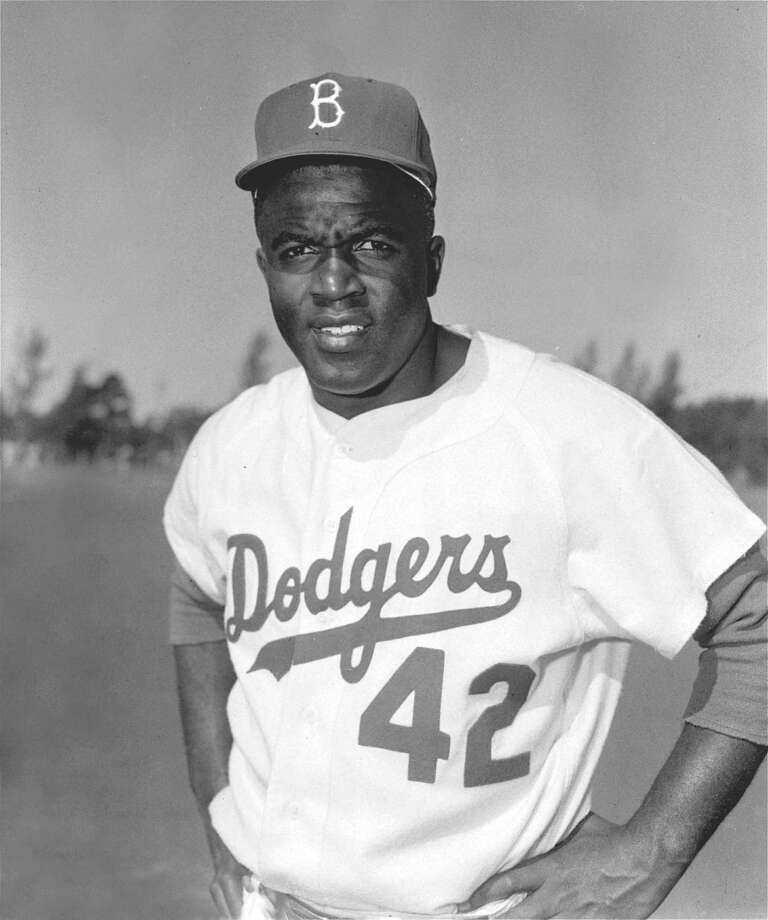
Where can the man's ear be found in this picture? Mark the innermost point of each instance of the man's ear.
(435, 255)
(261, 261)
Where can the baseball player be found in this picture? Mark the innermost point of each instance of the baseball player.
(410, 569)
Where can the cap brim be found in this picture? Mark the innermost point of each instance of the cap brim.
(247, 177)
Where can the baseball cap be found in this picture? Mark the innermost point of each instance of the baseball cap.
(339, 116)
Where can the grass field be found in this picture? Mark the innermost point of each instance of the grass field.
(97, 820)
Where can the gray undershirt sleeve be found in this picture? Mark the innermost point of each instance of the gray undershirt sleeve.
(730, 694)
(193, 616)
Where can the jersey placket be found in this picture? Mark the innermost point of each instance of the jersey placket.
(299, 795)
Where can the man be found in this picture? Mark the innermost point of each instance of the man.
(408, 571)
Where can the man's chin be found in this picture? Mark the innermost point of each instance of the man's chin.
(349, 396)
(348, 389)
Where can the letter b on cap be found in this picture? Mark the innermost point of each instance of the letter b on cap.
(330, 99)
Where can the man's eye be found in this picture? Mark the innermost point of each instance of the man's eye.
(295, 252)
(373, 246)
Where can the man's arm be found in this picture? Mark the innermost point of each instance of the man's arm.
(205, 677)
(608, 870)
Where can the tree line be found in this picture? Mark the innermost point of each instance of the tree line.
(95, 421)
(731, 431)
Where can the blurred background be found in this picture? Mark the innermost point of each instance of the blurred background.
(602, 193)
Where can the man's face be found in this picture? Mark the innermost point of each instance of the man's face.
(349, 270)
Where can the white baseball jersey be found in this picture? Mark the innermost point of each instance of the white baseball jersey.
(428, 610)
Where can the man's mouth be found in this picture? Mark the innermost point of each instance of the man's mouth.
(342, 337)
(340, 330)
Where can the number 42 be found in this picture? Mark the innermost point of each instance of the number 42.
(421, 674)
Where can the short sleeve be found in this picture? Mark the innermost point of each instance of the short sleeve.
(183, 518)
(651, 523)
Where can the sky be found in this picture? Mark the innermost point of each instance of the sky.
(601, 176)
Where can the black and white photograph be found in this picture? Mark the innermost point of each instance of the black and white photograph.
(383, 459)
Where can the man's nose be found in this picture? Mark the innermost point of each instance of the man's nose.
(336, 278)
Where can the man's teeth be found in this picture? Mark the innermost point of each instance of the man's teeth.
(340, 330)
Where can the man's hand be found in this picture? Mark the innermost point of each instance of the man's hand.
(599, 871)
(610, 870)
(205, 677)
(229, 879)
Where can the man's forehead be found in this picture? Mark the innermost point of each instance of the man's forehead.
(314, 177)
(340, 199)
(335, 190)
(334, 223)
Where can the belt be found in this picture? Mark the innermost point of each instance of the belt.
(265, 904)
